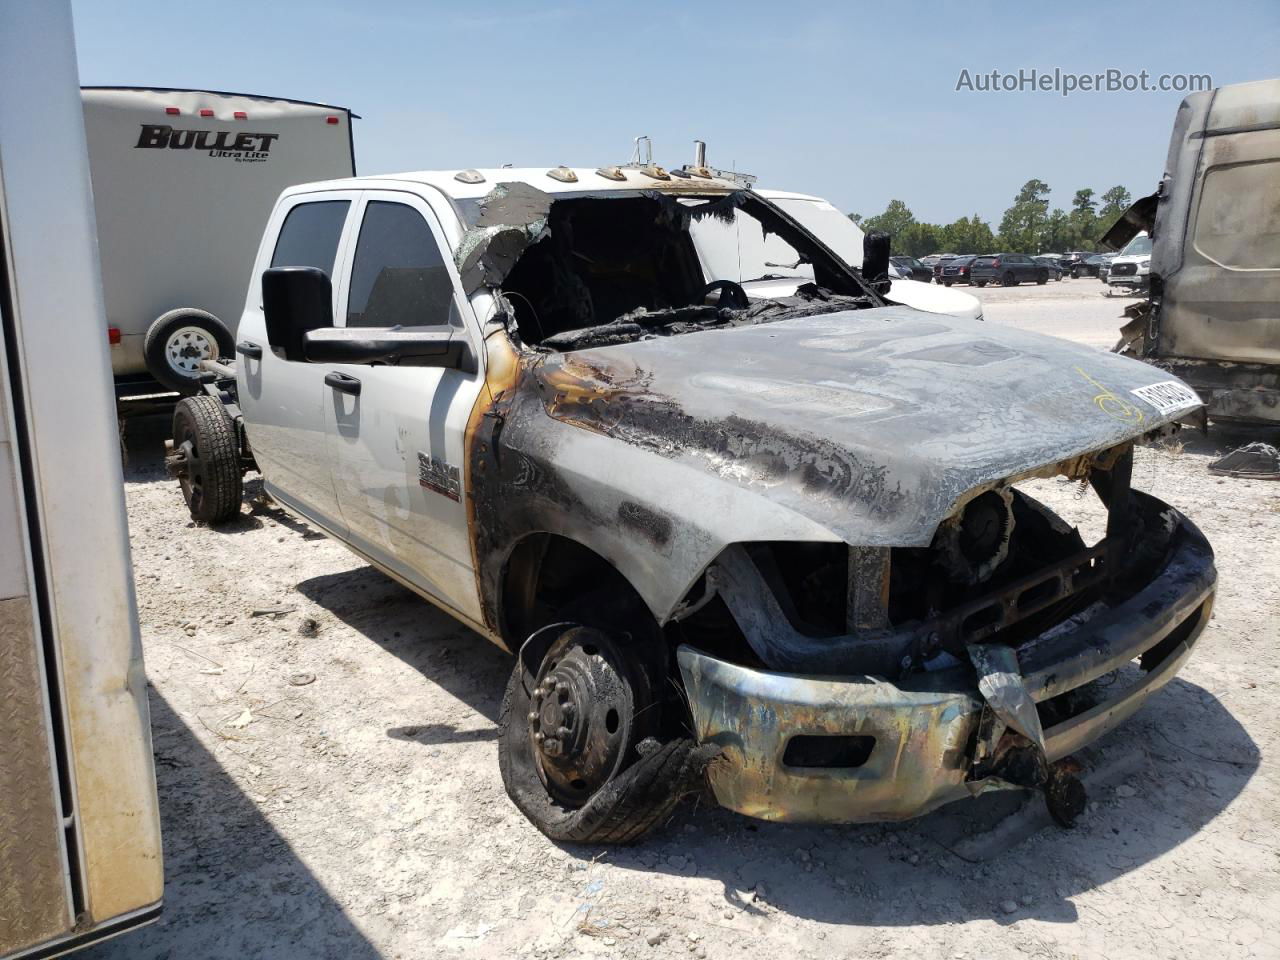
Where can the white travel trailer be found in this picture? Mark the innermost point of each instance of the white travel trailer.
(183, 181)
(80, 854)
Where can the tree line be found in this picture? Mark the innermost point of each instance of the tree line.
(1028, 226)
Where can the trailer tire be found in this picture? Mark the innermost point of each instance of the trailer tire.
(178, 340)
(209, 470)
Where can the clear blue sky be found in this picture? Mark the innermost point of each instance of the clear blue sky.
(855, 103)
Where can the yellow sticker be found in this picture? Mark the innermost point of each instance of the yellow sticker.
(1113, 406)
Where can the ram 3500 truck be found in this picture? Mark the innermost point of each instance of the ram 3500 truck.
(776, 542)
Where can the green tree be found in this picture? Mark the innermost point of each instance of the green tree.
(1084, 221)
(1056, 234)
(916, 239)
(1114, 202)
(967, 235)
(895, 219)
(856, 218)
(1022, 223)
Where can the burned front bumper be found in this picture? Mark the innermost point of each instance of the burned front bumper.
(856, 749)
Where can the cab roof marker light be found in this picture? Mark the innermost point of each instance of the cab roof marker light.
(563, 174)
(611, 173)
(469, 176)
(240, 115)
(331, 120)
(206, 112)
(172, 111)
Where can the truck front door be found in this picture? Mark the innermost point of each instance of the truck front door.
(396, 433)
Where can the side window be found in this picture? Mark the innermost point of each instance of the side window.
(1236, 226)
(399, 275)
(309, 237)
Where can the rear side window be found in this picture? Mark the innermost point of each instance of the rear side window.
(399, 276)
(309, 237)
(1239, 220)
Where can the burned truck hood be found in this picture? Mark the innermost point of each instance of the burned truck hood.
(872, 423)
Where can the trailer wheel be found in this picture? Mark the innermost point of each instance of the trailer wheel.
(206, 459)
(576, 748)
(176, 343)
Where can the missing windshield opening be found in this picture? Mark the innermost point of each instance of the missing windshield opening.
(614, 269)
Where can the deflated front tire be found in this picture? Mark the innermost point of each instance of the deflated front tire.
(576, 748)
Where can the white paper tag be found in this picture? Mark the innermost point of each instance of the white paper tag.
(1168, 396)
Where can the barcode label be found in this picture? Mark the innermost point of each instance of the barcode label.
(1168, 396)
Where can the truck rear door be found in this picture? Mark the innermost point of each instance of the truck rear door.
(284, 401)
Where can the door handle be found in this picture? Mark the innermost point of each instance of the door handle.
(250, 350)
(343, 382)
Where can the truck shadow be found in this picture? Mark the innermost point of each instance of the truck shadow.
(445, 652)
(1181, 763)
(142, 447)
(229, 875)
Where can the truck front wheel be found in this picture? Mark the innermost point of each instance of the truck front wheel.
(205, 458)
(176, 343)
(577, 747)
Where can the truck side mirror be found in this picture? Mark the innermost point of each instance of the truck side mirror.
(875, 260)
(295, 300)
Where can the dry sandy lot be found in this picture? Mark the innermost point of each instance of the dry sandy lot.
(329, 782)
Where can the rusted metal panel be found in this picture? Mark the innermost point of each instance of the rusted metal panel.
(34, 902)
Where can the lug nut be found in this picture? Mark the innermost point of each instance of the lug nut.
(539, 737)
(533, 715)
(552, 748)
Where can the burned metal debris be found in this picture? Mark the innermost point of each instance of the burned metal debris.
(1253, 461)
(509, 218)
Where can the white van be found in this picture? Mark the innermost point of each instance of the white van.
(183, 181)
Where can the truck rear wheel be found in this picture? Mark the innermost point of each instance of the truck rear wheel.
(176, 343)
(206, 459)
(576, 745)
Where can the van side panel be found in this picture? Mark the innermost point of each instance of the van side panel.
(1218, 231)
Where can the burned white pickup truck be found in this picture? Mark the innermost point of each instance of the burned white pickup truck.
(776, 543)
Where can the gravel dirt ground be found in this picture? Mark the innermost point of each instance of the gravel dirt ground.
(325, 747)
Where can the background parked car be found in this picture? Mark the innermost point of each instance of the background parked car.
(940, 261)
(1104, 265)
(912, 269)
(1088, 267)
(956, 271)
(1072, 258)
(1052, 264)
(1131, 270)
(1007, 269)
